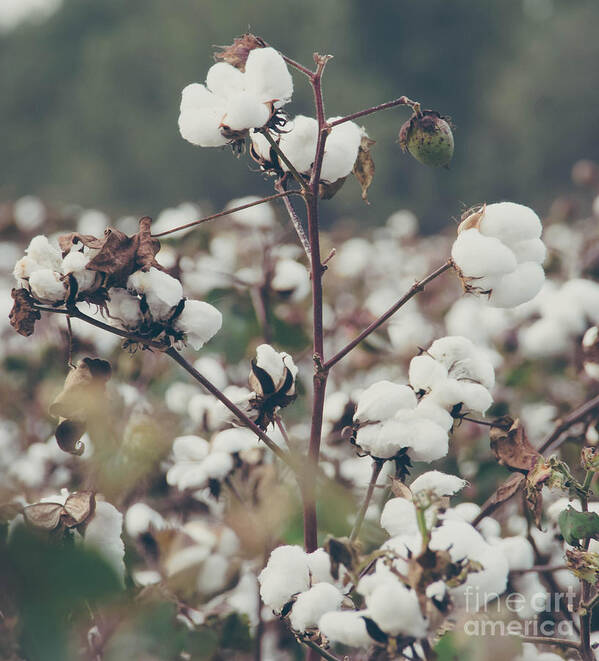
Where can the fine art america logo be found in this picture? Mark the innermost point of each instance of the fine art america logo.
(517, 614)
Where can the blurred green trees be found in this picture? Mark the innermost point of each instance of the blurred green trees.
(90, 98)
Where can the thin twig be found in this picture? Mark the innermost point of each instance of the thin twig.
(549, 640)
(401, 101)
(323, 653)
(295, 220)
(70, 342)
(539, 568)
(571, 419)
(414, 289)
(376, 470)
(294, 173)
(227, 212)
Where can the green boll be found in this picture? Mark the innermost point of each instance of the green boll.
(427, 136)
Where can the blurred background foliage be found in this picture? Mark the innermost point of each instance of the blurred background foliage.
(90, 98)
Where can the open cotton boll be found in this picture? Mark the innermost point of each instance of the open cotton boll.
(75, 262)
(223, 79)
(213, 575)
(271, 361)
(45, 253)
(396, 610)
(310, 606)
(291, 278)
(216, 466)
(261, 216)
(463, 360)
(23, 270)
(200, 116)
(123, 308)
(199, 321)
(510, 222)
(162, 291)
(190, 448)
(424, 372)
(543, 338)
(267, 76)
(440, 484)
(399, 517)
(519, 286)
(46, 285)
(29, 213)
(477, 255)
(382, 400)
(341, 151)
(234, 440)
(345, 627)
(103, 534)
(285, 574)
(518, 552)
(298, 143)
(170, 218)
(140, 518)
(244, 111)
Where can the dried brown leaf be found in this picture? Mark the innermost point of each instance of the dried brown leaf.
(327, 191)
(45, 516)
(364, 166)
(23, 315)
(67, 241)
(78, 507)
(511, 446)
(237, 53)
(400, 490)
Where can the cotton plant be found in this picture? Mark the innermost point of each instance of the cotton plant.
(300, 401)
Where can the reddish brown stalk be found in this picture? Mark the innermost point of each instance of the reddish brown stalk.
(401, 101)
(571, 419)
(295, 220)
(414, 289)
(227, 212)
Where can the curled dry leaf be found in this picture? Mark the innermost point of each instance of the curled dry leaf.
(82, 396)
(472, 218)
(511, 446)
(400, 490)
(23, 315)
(364, 166)
(328, 191)
(78, 508)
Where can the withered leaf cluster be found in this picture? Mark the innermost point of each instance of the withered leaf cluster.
(82, 398)
(237, 53)
(364, 166)
(52, 517)
(23, 315)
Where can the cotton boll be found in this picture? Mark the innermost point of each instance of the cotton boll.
(399, 517)
(213, 370)
(522, 285)
(199, 321)
(543, 338)
(244, 111)
(271, 361)
(403, 224)
(213, 574)
(261, 216)
(170, 218)
(431, 411)
(46, 285)
(291, 278)
(298, 143)
(382, 400)
(518, 552)
(285, 574)
(103, 534)
(463, 360)
(45, 253)
(75, 263)
(266, 75)
(352, 258)
(530, 250)
(202, 126)
(510, 222)
(123, 308)
(260, 145)
(234, 440)
(140, 518)
(225, 80)
(310, 606)
(341, 151)
(23, 270)
(345, 627)
(425, 372)
(396, 610)
(29, 213)
(440, 484)
(477, 255)
(163, 293)
(190, 448)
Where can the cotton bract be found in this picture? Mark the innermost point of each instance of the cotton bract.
(233, 101)
(501, 254)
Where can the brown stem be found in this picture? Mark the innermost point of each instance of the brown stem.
(295, 220)
(539, 568)
(414, 289)
(320, 375)
(549, 640)
(376, 470)
(318, 650)
(401, 101)
(294, 173)
(571, 419)
(227, 212)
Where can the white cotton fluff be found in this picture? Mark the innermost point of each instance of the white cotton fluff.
(140, 518)
(310, 606)
(23, 270)
(261, 216)
(213, 575)
(345, 627)
(162, 291)
(200, 322)
(285, 574)
(396, 610)
(291, 278)
(216, 466)
(234, 440)
(45, 253)
(46, 285)
(454, 371)
(503, 256)
(103, 534)
(382, 400)
(438, 483)
(75, 263)
(234, 99)
(92, 222)
(29, 213)
(517, 550)
(399, 517)
(123, 308)
(267, 76)
(589, 341)
(340, 151)
(353, 258)
(188, 452)
(173, 217)
(298, 143)
(271, 361)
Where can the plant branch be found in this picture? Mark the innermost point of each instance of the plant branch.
(414, 289)
(401, 101)
(227, 212)
(322, 652)
(376, 470)
(571, 419)
(294, 173)
(549, 640)
(295, 220)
